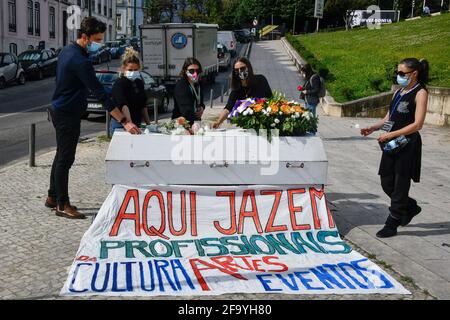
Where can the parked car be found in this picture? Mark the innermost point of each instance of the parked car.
(10, 70)
(152, 90)
(38, 63)
(134, 42)
(224, 56)
(229, 40)
(243, 35)
(116, 48)
(101, 55)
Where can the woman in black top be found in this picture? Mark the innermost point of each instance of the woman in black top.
(406, 116)
(311, 89)
(244, 84)
(188, 93)
(128, 91)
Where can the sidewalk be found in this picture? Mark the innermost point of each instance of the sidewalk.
(38, 247)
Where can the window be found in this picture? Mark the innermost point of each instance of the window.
(79, 3)
(51, 23)
(119, 22)
(105, 12)
(110, 8)
(30, 17)
(110, 32)
(7, 59)
(13, 48)
(37, 18)
(12, 15)
(99, 7)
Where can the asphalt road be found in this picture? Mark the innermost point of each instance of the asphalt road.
(21, 106)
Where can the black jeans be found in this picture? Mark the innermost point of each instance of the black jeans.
(67, 127)
(397, 188)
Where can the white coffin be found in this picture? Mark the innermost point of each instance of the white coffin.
(217, 158)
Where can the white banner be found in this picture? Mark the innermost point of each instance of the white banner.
(210, 240)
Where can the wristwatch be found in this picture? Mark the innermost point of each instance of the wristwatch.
(123, 120)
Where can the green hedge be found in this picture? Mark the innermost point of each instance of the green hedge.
(360, 63)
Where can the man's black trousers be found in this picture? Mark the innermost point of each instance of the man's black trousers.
(67, 127)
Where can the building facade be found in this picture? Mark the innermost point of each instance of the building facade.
(28, 24)
(125, 17)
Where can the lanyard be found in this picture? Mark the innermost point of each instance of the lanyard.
(196, 95)
(397, 100)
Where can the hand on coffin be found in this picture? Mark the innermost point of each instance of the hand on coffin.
(131, 128)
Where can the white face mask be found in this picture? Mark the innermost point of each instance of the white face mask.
(132, 75)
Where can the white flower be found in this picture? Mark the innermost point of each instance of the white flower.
(293, 116)
(280, 112)
(245, 112)
(201, 131)
(297, 115)
(307, 115)
(269, 109)
(273, 125)
(250, 111)
(276, 121)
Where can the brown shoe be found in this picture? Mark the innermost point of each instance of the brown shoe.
(51, 203)
(69, 212)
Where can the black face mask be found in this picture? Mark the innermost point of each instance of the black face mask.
(243, 75)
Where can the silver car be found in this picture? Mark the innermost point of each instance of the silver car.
(10, 70)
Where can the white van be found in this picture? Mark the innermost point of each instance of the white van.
(229, 40)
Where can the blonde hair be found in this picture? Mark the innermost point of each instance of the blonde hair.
(130, 56)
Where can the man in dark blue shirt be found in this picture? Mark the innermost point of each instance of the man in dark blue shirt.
(75, 76)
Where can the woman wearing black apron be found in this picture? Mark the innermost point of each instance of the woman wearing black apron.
(405, 118)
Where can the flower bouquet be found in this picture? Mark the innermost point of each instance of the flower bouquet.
(179, 126)
(290, 118)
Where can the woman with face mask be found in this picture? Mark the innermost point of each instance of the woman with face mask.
(404, 119)
(128, 91)
(244, 84)
(188, 93)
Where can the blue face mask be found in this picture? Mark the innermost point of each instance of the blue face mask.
(132, 75)
(402, 81)
(93, 46)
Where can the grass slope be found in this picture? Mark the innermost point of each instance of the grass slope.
(360, 62)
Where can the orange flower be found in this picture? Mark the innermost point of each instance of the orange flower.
(298, 109)
(274, 108)
(285, 109)
(181, 121)
(257, 107)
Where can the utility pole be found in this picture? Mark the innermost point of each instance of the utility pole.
(295, 14)
(134, 18)
(271, 33)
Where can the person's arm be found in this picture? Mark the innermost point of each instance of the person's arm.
(223, 115)
(145, 115)
(368, 130)
(86, 73)
(228, 107)
(421, 111)
(183, 95)
(201, 104)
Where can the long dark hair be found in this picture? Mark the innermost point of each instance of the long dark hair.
(421, 66)
(307, 69)
(187, 63)
(235, 80)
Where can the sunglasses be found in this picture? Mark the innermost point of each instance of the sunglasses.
(241, 69)
(401, 73)
(192, 71)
